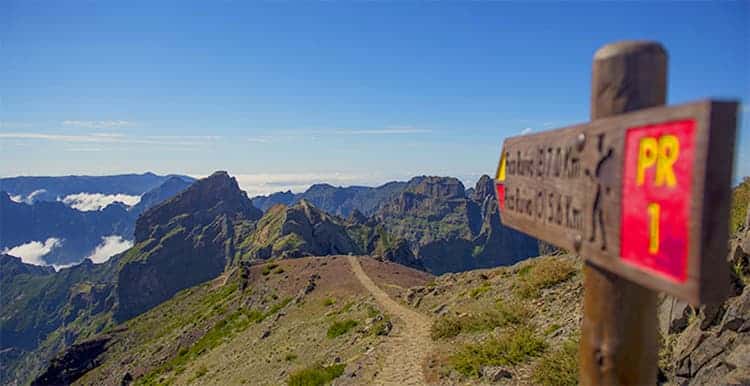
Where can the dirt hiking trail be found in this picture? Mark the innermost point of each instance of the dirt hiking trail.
(408, 344)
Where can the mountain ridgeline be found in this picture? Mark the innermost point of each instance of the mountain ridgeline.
(429, 223)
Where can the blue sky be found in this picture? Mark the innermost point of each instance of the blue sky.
(287, 94)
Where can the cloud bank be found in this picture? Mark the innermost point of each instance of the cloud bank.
(28, 199)
(110, 246)
(33, 251)
(266, 183)
(97, 201)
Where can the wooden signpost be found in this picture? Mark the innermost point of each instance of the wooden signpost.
(641, 193)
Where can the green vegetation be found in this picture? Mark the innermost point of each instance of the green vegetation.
(559, 367)
(316, 376)
(329, 302)
(542, 274)
(476, 292)
(341, 328)
(551, 328)
(268, 268)
(290, 357)
(372, 311)
(740, 202)
(511, 348)
(289, 242)
(222, 331)
(504, 315)
(277, 307)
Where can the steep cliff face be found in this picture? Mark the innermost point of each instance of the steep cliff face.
(448, 231)
(497, 244)
(296, 231)
(184, 241)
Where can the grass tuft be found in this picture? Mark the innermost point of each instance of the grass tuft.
(290, 357)
(268, 268)
(559, 367)
(316, 375)
(543, 274)
(505, 314)
(509, 349)
(340, 328)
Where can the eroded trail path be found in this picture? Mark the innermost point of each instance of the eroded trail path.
(408, 344)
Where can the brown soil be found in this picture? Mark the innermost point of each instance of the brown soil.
(408, 344)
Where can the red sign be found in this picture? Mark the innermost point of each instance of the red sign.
(656, 196)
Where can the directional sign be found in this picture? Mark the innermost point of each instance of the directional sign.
(644, 195)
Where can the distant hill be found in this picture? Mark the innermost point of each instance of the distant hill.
(75, 233)
(52, 188)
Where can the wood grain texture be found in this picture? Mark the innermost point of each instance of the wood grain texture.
(619, 332)
(568, 192)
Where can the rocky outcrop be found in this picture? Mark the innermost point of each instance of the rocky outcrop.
(713, 348)
(208, 198)
(450, 231)
(340, 201)
(296, 231)
(184, 241)
(73, 362)
(710, 345)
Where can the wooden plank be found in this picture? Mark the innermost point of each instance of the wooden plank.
(566, 187)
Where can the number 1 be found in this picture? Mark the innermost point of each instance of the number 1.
(653, 228)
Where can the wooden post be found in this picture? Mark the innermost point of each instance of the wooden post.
(619, 340)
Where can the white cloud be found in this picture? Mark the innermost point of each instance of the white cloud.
(32, 252)
(526, 130)
(110, 246)
(97, 201)
(28, 199)
(97, 124)
(58, 267)
(266, 183)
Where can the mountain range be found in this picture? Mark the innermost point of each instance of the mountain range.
(212, 285)
(212, 227)
(67, 235)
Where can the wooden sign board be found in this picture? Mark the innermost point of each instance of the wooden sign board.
(644, 195)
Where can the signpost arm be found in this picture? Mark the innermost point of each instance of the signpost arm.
(619, 338)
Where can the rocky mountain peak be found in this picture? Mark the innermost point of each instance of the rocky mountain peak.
(437, 187)
(217, 194)
(484, 188)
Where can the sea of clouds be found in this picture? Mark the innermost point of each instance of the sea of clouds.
(97, 201)
(33, 252)
(82, 201)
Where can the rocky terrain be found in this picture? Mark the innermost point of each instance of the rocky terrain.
(341, 201)
(216, 291)
(255, 324)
